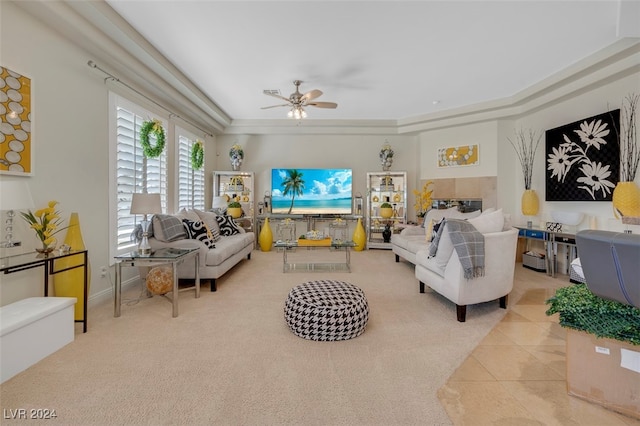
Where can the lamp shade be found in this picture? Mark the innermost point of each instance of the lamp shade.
(219, 203)
(146, 204)
(15, 195)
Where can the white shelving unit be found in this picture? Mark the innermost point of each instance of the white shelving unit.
(390, 187)
(238, 186)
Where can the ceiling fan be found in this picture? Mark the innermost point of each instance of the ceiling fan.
(297, 101)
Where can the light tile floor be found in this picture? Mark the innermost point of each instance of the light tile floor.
(516, 375)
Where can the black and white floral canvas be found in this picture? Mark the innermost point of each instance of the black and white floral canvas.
(583, 159)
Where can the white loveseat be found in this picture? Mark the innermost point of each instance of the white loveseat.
(444, 274)
(229, 250)
(413, 238)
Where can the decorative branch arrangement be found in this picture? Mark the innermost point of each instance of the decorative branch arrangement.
(526, 146)
(629, 150)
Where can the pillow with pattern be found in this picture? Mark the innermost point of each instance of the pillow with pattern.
(198, 231)
(227, 225)
(167, 228)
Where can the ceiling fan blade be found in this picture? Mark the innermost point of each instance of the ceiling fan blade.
(276, 106)
(323, 104)
(312, 94)
(276, 96)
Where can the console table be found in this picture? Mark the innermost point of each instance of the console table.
(161, 256)
(24, 261)
(338, 245)
(551, 240)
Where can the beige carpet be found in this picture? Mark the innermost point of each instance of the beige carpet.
(230, 359)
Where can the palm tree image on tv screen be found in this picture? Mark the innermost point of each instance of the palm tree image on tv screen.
(311, 191)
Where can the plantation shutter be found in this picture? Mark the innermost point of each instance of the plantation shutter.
(135, 173)
(190, 181)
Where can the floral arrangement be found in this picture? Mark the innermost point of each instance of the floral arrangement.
(526, 147)
(423, 199)
(629, 150)
(154, 127)
(236, 155)
(386, 156)
(46, 223)
(595, 175)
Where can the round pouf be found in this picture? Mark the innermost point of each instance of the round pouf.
(326, 310)
(160, 280)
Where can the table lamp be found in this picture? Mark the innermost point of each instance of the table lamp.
(145, 204)
(15, 195)
(219, 205)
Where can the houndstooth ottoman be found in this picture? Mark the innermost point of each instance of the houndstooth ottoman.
(326, 310)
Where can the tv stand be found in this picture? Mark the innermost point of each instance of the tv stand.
(306, 222)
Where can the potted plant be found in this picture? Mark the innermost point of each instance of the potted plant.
(386, 210)
(423, 200)
(234, 209)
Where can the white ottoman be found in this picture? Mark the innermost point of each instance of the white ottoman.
(326, 310)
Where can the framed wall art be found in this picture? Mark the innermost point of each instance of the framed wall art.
(582, 159)
(466, 155)
(15, 123)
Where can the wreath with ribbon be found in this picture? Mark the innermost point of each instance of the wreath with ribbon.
(197, 155)
(154, 127)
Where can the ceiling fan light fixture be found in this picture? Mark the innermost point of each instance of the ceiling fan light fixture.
(297, 112)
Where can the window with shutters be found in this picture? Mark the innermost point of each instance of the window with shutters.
(190, 181)
(133, 171)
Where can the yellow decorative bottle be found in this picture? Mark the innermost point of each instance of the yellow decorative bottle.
(530, 203)
(71, 283)
(265, 239)
(359, 236)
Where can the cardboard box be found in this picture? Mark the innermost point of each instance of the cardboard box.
(604, 371)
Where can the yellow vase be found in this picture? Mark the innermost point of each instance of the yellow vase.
(359, 236)
(71, 283)
(530, 203)
(626, 199)
(265, 239)
(386, 212)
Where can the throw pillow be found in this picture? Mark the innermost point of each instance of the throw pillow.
(489, 222)
(198, 231)
(187, 214)
(209, 219)
(227, 225)
(167, 228)
(432, 228)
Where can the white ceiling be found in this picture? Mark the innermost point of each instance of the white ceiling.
(376, 59)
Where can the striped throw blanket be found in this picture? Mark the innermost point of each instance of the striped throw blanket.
(468, 243)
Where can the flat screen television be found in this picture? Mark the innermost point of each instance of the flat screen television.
(311, 191)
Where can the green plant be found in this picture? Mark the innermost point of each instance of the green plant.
(234, 205)
(580, 309)
(386, 206)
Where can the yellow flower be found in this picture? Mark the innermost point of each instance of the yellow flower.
(423, 198)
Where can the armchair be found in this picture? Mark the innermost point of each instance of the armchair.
(444, 273)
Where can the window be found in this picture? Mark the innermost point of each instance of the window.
(190, 181)
(133, 171)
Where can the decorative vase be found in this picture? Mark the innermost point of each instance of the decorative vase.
(265, 239)
(530, 203)
(234, 212)
(45, 249)
(359, 236)
(71, 283)
(386, 234)
(626, 199)
(386, 212)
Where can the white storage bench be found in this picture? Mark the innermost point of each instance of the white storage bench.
(31, 329)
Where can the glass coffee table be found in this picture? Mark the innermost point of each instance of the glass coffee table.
(171, 256)
(289, 247)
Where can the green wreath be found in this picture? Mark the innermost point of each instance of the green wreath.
(197, 155)
(154, 127)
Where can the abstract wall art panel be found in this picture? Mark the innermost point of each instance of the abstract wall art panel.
(466, 155)
(15, 123)
(582, 159)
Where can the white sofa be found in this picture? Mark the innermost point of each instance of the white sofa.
(444, 274)
(413, 238)
(229, 250)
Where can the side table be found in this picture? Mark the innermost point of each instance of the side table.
(171, 256)
(24, 261)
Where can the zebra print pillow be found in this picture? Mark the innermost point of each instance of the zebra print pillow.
(227, 225)
(198, 231)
